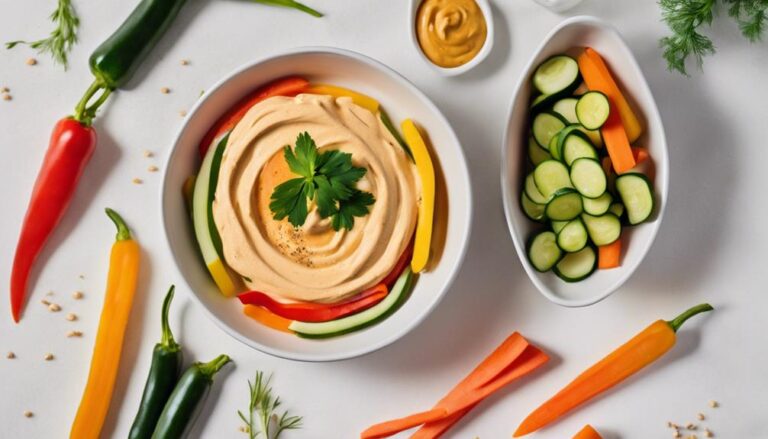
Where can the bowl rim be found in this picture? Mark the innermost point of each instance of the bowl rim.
(485, 7)
(464, 234)
(662, 187)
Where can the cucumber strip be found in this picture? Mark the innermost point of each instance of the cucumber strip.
(588, 177)
(361, 320)
(637, 195)
(577, 266)
(592, 109)
(543, 252)
(603, 229)
(573, 237)
(567, 108)
(616, 209)
(598, 206)
(532, 210)
(545, 126)
(565, 205)
(557, 226)
(556, 74)
(533, 192)
(576, 146)
(536, 153)
(205, 188)
(551, 176)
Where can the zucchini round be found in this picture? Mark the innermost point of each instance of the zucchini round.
(588, 177)
(577, 266)
(543, 252)
(558, 73)
(592, 109)
(565, 205)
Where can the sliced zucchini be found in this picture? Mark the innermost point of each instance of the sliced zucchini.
(598, 206)
(533, 192)
(536, 153)
(573, 237)
(576, 146)
(565, 205)
(553, 149)
(567, 108)
(592, 109)
(616, 209)
(550, 176)
(532, 210)
(557, 226)
(636, 194)
(543, 252)
(577, 266)
(603, 229)
(588, 177)
(558, 73)
(545, 126)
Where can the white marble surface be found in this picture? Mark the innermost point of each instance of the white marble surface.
(711, 245)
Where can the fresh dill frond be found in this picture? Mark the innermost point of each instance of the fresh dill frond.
(62, 38)
(266, 423)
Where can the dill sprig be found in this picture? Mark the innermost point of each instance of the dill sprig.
(264, 406)
(686, 17)
(62, 38)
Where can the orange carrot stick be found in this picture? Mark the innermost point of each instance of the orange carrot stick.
(608, 256)
(266, 318)
(588, 433)
(388, 428)
(642, 350)
(598, 77)
(617, 144)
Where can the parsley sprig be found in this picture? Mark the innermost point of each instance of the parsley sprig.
(686, 17)
(62, 38)
(264, 405)
(328, 178)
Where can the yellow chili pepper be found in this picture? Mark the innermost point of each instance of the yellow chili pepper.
(333, 90)
(422, 242)
(118, 298)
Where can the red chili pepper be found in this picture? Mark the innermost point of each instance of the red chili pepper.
(316, 312)
(71, 146)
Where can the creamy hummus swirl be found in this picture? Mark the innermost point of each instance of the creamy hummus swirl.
(312, 262)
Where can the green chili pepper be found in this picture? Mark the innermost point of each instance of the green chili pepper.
(187, 399)
(165, 369)
(116, 59)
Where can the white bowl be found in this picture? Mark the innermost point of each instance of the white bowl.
(485, 7)
(637, 240)
(402, 100)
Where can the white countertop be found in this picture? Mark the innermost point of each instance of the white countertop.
(711, 246)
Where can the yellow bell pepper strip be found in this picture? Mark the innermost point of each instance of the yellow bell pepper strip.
(423, 239)
(642, 350)
(118, 298)
(360, 99)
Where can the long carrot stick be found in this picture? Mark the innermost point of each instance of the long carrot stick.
(642, 350)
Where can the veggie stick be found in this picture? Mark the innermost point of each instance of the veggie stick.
(608, 256)
(360, 99)
(598, 77)
(588, 433)
(617, 144)
(423, 239)
(118, 298)
(267, 318)
(642, 350)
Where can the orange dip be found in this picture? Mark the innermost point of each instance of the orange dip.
(450, 32)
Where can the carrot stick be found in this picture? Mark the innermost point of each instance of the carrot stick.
(267, 318)
(608, 256)
(598, 77)
(386, 429)
(437, 428)
(640, 154)
(588, 433)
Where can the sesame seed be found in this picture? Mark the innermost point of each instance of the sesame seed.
(71, 317)
(49, 293)
(182, 113)
(676, 434)
(148, 153)
(45, 302)
(7, 97)
(10, 356)
(693, 436)
(28, 414)
(31, 62)
(690, 426)
(77, 295)
(185, 62)
(54, 307)
(152, 168)
(48, 357)
(714, 404)
(5, 90)
(74, 334)
(700, 416)
(165, 90)
(708, 433)
(137, 181)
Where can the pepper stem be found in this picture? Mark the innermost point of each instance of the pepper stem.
(209, 369)
(81, 113)
(679, 320)
(123, 232)
(168, 341)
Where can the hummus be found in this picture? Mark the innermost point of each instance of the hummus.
(312, 262)
(450, 32)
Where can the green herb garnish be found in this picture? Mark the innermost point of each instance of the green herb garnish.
(290, 4)
(328, 178)
(266, 422)
(61, 40)
(685, 17)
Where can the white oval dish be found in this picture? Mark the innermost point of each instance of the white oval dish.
(580, 32)
(401, 100)
(485, 7)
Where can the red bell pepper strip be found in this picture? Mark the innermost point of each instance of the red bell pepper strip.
(316, 312)
(288, 86)
(71, 146)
